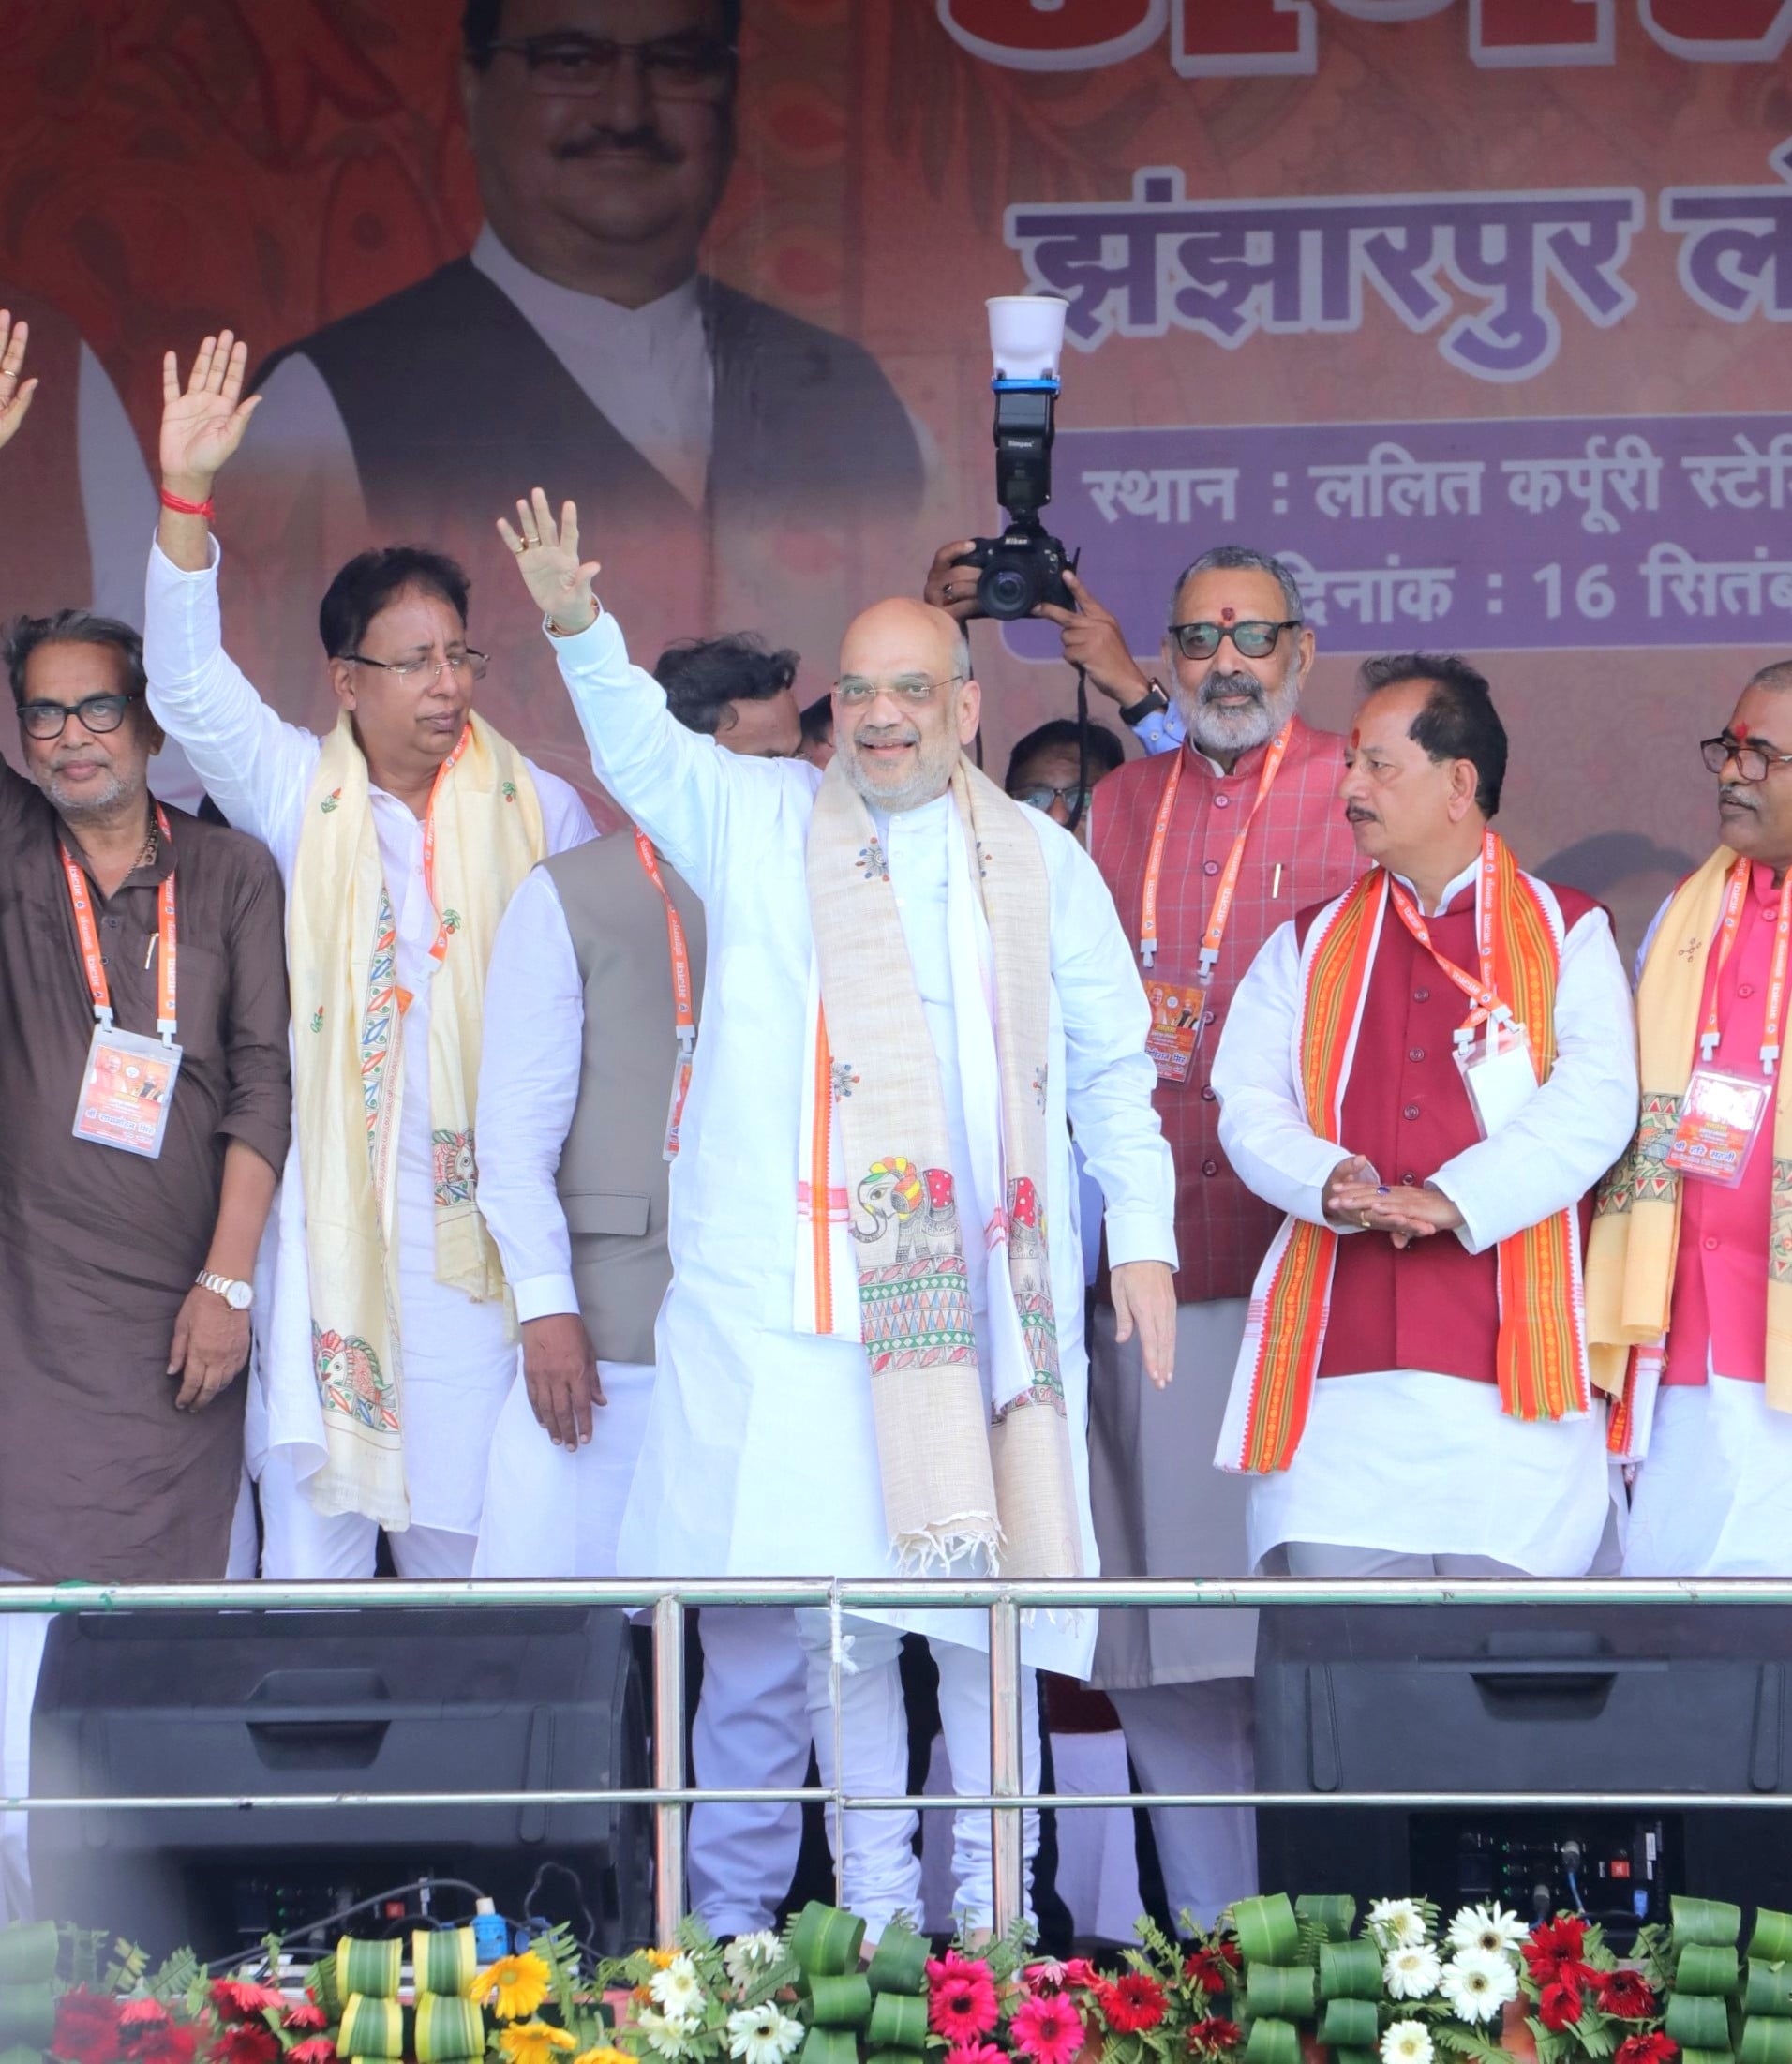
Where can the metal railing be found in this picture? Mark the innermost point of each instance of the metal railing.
(1006, 1607)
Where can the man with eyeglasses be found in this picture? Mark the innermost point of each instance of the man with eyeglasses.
(1687, 1271)
(1047, 770)
(389, 1345)
(581, 333)
(144, 1080)
(871, 1357)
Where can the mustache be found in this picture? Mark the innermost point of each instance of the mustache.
(1216, 685)
(887, 734)
(1730, 792)
(1359, 812)
(643, 142)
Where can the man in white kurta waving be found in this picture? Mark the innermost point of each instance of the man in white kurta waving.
(871, 1360)
(386, 1346)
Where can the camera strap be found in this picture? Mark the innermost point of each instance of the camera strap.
(1221, 912)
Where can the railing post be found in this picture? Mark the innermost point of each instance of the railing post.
(1008, 1827)
(668, 1765)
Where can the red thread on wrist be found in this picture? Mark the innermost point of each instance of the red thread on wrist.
(206, 508)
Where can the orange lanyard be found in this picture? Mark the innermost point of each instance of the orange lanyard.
(88, 933)
(1483, 998)
(440, 949)
(1221, 911)
(683, 1007)
(1735, 895)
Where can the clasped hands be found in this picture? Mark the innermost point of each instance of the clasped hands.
(1404, 1211)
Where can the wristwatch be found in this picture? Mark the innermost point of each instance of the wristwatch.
(1148, 705)
(239, 1297)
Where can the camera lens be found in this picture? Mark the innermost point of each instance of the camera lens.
(1006, 591)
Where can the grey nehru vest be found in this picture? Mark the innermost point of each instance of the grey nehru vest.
(613, 1174)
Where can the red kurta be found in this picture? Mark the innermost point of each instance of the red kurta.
(1222, 1231)
(1718, 1318)
(1432, 1304)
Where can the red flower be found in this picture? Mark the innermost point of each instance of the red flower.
(1214, 2036)
(141, 2014)
(1560, 2007)
(1552, 1951)
(86, 2029)
(1048, 2029)
(960, 1998)
(305, 2018)
(245, 2042)
(1209, 1970)
(1131, 2004)
(164, 2043)
(1626, 1993)
(1646, 2049)
(319, 2050)
(237, 2000)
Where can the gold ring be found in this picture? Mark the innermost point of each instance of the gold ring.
(519, 546)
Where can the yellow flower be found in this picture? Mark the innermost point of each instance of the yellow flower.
(603, 2056)
(532, 2042)
(662, 1959)
(513, 1987)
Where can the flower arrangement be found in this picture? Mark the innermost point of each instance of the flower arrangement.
(1279, 1982)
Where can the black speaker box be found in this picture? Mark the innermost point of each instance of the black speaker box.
(1686, 1698)
(412, 1699)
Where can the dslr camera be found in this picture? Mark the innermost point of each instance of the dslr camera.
(1027, 564)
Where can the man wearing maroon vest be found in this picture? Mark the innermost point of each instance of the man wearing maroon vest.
(1235, 656)
(1428, 1074)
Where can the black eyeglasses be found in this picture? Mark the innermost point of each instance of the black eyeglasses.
(1753, 762)
(672, 67)
(97, 714)
(1075, 799)
(470, 665)
(1254, 638)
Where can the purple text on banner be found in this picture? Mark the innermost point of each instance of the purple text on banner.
(1504, 534)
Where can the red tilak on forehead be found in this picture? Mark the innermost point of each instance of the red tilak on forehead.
(1739, 732)
(1225, 615)
(1356, 736)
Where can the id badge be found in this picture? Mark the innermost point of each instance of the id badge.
(1499, 1074)
(675, 1110)
(1175, 1028)
(126, 1091)
(1721, 1117)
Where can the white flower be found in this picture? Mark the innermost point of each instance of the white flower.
(1490, 1929)
(677, 1992)
(762, 2035)
(671, 2036)
(1405, 2042)
(1411, 1974)
(1397, 1924)
(749, 1954)
(1478, 1983)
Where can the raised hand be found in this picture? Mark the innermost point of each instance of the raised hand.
(1094, 640)
(203, 425)
(15, 391)
(548, 559)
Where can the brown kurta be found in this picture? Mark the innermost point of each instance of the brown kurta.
(99, 1475)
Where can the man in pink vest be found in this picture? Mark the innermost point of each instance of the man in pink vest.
(1687, 1280)
(1428, 1074)
(1229, 829)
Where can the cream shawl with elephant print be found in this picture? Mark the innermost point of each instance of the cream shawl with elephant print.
(877, 1183)
(482, 835)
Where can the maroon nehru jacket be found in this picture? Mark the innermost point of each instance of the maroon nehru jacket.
(1433, 1305)
(1222, 1231)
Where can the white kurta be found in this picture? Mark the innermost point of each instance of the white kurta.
(1410, 1461)
(760, 1457)
(458, 1358)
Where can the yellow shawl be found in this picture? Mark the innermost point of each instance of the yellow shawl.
(348, 1015)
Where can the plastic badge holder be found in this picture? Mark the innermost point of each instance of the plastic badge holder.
(1721, 1117)
(1499, 1074)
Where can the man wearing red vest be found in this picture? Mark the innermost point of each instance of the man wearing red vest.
(1687, 1281)
(1428, 1074)
(1208, 845)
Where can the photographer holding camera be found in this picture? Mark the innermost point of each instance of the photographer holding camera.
(1253, 832)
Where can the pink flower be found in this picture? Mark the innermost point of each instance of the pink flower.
(960, 1998)
(976, 2053)
(318, 2049)
(305, 2017)
(1048, 2029)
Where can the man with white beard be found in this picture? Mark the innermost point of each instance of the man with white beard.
(871, 1359)
(1207, 850)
